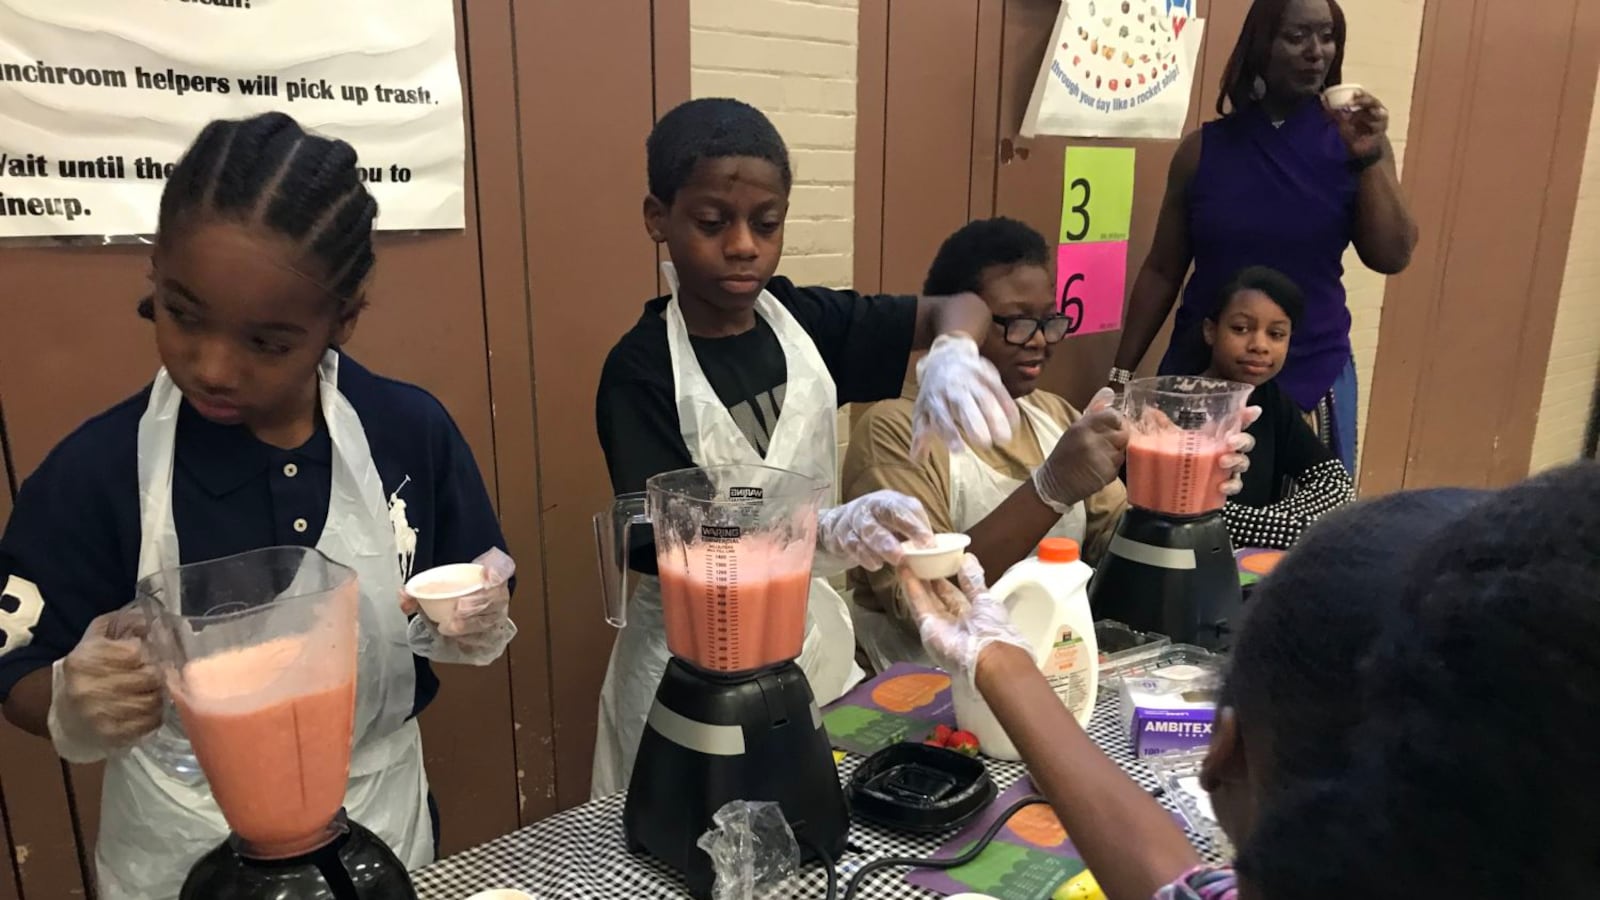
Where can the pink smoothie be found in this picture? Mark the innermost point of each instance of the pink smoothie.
(736, 610)
(273, 736)
(1176, 472)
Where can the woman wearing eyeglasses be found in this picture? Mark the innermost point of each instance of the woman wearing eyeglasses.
(1056, 477)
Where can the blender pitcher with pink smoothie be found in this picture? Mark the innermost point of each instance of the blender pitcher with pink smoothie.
(1181, 426)
(1170, 567)
(734, 717)
(258, 651)
(733, 551)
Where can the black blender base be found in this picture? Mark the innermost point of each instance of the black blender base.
(1172, 576)
(711, 740)
(354, 866)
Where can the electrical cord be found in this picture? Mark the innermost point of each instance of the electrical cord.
(827, 865)
(963, 859)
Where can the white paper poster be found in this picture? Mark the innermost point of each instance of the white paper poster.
(99, 99)
(1117, 68)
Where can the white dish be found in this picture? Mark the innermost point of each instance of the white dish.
(1342, 96)
(941, 560)
(438, 589)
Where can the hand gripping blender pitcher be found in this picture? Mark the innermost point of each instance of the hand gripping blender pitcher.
(734, 717)
(259, 655)
(1170, 567)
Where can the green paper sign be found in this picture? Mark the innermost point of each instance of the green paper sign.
(1097, 194)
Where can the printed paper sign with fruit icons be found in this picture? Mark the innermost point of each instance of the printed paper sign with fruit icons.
(1117, 68)
(905, 703)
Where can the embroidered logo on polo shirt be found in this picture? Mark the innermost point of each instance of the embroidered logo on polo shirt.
(20, 609)
(405, 537)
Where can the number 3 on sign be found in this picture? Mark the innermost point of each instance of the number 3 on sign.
(1076, 212)
(1089, 283)
(1096, 194)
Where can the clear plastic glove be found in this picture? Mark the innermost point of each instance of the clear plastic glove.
(960, 399)
(106, 694)
(1087, 457)
(1237, 460)
(867, 531)
(753, 852)
(479, 629)
(956, 624)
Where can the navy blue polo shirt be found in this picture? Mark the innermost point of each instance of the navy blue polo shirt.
(74, 533)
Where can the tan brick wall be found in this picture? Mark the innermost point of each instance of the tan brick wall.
(796, 61)
(1381, 54)
(1575, 349)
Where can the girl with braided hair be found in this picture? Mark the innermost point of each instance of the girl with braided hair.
(258, 431)
(1410, 711)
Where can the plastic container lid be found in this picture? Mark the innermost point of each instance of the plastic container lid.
(915, 787)
(1058, 550)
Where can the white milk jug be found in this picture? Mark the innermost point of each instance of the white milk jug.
(1047, 598)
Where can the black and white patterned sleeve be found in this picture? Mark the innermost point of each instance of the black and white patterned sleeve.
(1320, 489)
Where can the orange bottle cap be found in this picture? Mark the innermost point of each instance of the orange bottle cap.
(1058, 550)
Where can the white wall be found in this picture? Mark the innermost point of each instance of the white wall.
(795, 61)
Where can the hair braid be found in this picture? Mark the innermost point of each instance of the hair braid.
(269, 171)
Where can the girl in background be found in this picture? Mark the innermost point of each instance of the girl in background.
(1293, 479)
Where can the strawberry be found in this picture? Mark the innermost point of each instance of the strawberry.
(941, 736)
(963, 742)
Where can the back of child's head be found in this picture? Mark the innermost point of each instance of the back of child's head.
(709, 128)
(975, 246)
(1472, 777)
(1274, 284)
(269, 173)
(1310, 622)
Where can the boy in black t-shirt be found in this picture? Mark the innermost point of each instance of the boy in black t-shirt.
(1293, 477)
(739, 366)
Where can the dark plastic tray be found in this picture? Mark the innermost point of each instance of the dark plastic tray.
(916, 787)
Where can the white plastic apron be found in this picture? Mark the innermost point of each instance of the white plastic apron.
(803, 441)
(153, 826)
(976, 490)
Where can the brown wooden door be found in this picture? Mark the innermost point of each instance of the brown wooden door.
(1500, 117)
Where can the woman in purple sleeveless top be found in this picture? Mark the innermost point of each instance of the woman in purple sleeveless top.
(1279, 181)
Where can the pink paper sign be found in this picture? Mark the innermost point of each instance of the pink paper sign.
(1090, 279)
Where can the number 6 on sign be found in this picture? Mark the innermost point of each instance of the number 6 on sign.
(1089, 285)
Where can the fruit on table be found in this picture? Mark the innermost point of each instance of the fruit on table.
(1080, 887)
(963, 742)
(951, 739)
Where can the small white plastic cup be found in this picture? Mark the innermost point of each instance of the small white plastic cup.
(940, 560)
(439, 589)
(1342, 97)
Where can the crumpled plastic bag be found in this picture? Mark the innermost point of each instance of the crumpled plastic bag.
(752, 850)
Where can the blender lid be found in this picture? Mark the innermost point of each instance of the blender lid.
(916, 787)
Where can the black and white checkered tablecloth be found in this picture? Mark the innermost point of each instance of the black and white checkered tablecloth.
(580, 855)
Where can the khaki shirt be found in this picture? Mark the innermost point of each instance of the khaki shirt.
(879, 458)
